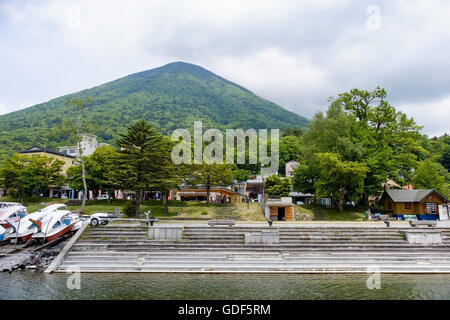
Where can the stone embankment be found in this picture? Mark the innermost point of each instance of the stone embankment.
(298, 249)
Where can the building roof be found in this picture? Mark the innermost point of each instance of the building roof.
(417, 195)
(299, 194)
(37, 149)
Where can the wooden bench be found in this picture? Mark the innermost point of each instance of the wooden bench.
(429, 223)
(221, 222)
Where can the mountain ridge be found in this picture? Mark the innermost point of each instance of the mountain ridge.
(170, 97)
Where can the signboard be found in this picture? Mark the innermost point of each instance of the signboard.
(443, 212)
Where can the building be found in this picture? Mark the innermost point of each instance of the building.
(279, 208)
(216, 194)
(424, 203)
(66, 158)
(298, 197)
(290, 166)
(88, 145)
(255, 188)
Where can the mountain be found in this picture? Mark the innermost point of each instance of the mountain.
(170, 97)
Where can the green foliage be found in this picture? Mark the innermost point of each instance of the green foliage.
(241, 175)
(339, 179)
(290, 149)
(431, 175)
(139, 163)
(209, 175)
(99, 167)
(129, 208)
(26, 173)
(169, 97)
(275, 186)
(305, 177)
(362, 127)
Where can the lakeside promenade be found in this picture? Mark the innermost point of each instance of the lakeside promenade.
(254, 247)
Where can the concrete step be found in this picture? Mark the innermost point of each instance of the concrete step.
(238, 247)
(251, 259)
(252, 268)
(158, 253)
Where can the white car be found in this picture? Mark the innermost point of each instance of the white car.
(99, 218)
(103, 197)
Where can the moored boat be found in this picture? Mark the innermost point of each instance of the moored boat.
(12, 213)
(2, 234)
(23, 229)
(54, 225)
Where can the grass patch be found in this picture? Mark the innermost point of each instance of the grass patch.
(319, 213)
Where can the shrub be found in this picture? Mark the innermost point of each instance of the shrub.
(129, 208)
(204, 212)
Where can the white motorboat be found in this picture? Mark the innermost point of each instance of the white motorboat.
(23, 229)
(12, 213)
(54, 225)
(2, 233)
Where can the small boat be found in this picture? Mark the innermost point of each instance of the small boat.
(54, 225)
(24, 228)
(2, 233)
(4, 205)
(12, 213)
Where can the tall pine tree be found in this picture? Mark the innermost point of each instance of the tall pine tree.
(138, 164)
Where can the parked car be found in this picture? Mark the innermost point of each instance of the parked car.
(63, 196)
(103, 197)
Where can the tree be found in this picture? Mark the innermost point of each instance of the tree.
(138, 163)
(209, 175)
(430, 175)
(305, 177)
(361, 126)
(339, 179)
(98, 171)
(169, 176)
(290, 149)
(77, 124)
(390, 140)
(241, 174)
(31, 173)
(275, 186)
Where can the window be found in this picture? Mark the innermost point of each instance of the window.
(389, 205)
(431, 207)
(407, 205)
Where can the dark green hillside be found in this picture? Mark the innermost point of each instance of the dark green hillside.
(172, 96)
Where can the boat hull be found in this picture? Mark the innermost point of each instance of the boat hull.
(40, 235)
(25, 238)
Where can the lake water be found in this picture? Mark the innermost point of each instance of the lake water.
(36, 285)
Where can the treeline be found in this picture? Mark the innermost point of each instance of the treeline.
(362, 142)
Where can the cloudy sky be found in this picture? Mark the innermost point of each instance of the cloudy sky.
(294, 53)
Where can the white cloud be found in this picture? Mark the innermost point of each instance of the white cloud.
(4, 109)
(433, 115)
